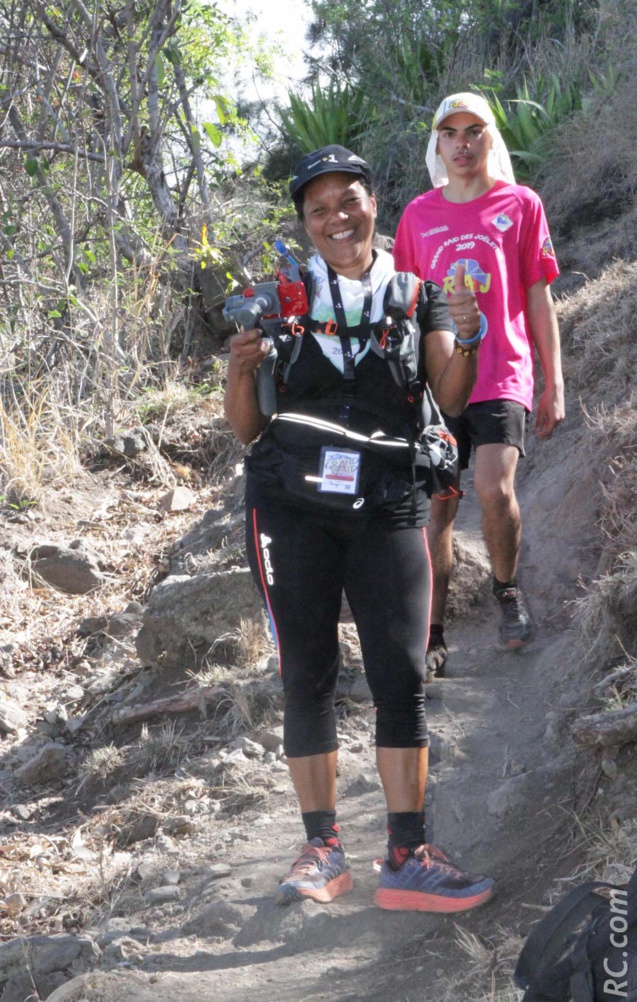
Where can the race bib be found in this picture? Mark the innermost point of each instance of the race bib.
(340, 471)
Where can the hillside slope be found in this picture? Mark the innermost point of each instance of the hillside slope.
(159, 844)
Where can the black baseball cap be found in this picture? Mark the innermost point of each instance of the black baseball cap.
(328, 160)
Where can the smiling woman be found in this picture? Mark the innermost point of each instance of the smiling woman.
(339, 215)
(336, 501)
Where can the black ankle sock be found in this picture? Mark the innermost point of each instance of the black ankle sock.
(321, 824)
(500, 586)
(406, 830)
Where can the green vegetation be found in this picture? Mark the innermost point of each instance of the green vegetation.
(127, 216)
(336, 114)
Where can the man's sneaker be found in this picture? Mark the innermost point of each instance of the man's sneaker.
(436, 658)
(320, 873)
(429, 882)
(515, 627)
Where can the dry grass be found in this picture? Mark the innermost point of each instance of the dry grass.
(591, 174)
(606, 629)
(159, 749)
(597, 331)
(611, 852)
(597, 328)
(101, 765)
(614, 430)
(243, 648)
(40, 440)
(487, 968)
(242, 709)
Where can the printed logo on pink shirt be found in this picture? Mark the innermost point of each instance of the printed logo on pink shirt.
(547, 248)
(474, 277)
(502, 222)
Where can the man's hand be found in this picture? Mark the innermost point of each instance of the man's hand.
(550, 412)
(248, 350)
(463, 307)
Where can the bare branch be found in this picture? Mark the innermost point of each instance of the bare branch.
(35, 144)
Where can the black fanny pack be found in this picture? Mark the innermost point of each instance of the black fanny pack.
(337, 476)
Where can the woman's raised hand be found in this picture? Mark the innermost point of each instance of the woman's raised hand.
(248, 350)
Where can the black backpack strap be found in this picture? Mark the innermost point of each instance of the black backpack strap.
(581, 982)
(548, 938)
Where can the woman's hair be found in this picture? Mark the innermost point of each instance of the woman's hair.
(298, 198)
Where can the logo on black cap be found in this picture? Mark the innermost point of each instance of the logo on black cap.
(328, 160)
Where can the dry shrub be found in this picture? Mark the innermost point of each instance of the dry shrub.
(243, 709)
(597, 330)
(101, 768)
(159, 749)
(485, 962)
(611, 852)
(616, 431)
(607, 627)
(592, 172)
(40, 435)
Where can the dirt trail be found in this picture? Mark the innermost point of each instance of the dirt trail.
(488, 725)
(503, 783)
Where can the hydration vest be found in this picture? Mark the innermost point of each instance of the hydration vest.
(396, 339)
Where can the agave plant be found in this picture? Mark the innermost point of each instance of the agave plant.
(526, 125)
(336, 114)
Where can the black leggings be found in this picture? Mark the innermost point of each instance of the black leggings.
(302, 563)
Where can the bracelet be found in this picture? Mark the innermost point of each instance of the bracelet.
(465, 352)
(477, 337)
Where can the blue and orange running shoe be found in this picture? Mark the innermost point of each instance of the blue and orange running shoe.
(428, 882)
(320, 873)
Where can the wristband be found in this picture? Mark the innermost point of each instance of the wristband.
(477, 337)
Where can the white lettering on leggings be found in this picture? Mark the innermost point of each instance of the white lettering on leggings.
(267, 563)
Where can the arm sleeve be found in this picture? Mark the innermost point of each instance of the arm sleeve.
(536, 252)
(432, 311)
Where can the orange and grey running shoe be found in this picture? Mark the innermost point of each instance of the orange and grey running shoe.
(428, 882)
(320, 873)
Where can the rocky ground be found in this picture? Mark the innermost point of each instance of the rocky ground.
(146, 810)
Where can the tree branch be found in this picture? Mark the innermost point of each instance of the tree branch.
(35, 144)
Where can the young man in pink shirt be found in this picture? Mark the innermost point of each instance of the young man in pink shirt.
(478, 217)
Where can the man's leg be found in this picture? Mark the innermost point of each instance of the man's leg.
(495, 467)
(494, 480)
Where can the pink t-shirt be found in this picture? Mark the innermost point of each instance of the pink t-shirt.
(503, 240)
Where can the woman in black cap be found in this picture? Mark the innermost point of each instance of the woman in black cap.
(337, 497)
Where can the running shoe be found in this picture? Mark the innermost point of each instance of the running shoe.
(515, 627)
(320, 873)
(436, 658)
(429, 882)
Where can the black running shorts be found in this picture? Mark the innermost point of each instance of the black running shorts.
(489, 422)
